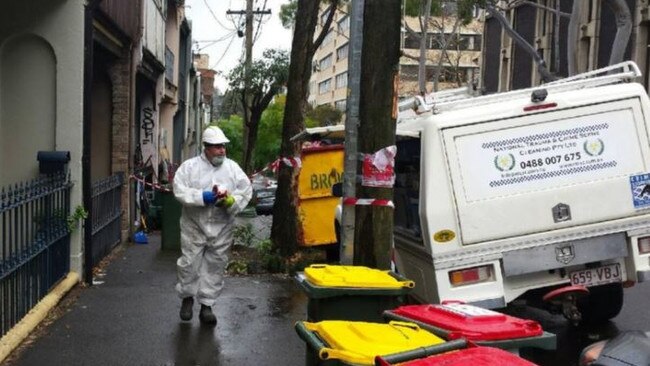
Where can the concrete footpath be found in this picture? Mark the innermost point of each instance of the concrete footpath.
(130, 317)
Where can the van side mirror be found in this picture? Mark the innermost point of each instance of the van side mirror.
(337, 189)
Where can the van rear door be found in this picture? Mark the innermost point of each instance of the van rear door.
(564, 168)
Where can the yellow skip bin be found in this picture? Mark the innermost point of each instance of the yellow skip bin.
(322, 167)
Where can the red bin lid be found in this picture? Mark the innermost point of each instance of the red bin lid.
(471, 322)
(476, 356)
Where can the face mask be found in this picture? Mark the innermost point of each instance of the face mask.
(217, 160)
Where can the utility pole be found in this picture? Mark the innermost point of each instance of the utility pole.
(249, 13)
(351, 126)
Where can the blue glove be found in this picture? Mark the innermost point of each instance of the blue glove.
(209, 198)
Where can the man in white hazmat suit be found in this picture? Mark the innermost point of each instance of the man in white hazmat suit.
(212, 190)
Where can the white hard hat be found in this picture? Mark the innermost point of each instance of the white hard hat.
(213, 135)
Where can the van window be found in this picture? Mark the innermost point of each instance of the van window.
(407, 188)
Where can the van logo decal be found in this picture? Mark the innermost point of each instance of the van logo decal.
(504, 162)
(594, 147)
(564, 254)
(640, 187)
(561, 212)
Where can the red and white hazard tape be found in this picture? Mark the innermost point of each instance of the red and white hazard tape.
(367, 202)
(155, 186)
(294, 162)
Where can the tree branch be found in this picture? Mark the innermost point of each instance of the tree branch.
(623, 30)
(520, 41)
(326, 26)
(540, 6)
(411, 31)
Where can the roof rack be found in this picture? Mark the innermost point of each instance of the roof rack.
(446, 95)
(622, 72)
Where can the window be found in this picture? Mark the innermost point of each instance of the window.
(342, 52)
(323, 18)
(324, 86)
(409, 73)
(325, 62)
(342, 80)
(344, 24)
(328, 38)
(411, 41)
(341, 105)
(406, 191)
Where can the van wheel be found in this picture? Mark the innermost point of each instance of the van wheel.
(603, 303)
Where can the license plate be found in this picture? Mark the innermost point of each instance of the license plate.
(597, 276)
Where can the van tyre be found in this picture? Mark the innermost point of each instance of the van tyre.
(602, 304)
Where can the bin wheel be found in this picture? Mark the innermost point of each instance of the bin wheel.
(603, 303)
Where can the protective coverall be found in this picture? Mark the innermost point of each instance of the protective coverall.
(206, 230)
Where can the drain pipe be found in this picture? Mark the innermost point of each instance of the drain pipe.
(89, 10)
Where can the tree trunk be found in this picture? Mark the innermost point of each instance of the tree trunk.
(381, 31)
(285, 230)
(443, 51)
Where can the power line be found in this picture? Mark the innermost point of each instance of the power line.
(232, 38)
(215, 17)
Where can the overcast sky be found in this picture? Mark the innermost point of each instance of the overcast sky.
(216, 32)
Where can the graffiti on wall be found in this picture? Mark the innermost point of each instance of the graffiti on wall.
(149, 133)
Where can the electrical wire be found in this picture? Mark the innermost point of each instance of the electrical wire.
(215, 17)
(259, 24)
(214, 41)
(232, 38)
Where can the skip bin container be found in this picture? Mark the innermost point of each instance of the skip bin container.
(481, 326)
(170, 231)
(336, 342)
(471, 355)
(353, 293)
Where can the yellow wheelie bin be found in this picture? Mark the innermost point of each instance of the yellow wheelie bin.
(355, 293)
(335, 342)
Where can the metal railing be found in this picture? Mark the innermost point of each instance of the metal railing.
(105, 216)
(35, 247)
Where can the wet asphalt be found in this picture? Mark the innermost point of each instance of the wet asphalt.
(130, 317)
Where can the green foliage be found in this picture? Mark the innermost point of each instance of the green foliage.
(72, 221)
(243, 235)
(287, 13)
(414, 8)
(325, 115)
(464, 8)
(237, 267)
(230, 105)
(271, 259)
(269, 137)
(269, 72)
(233, 129)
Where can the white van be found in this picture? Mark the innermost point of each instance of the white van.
(513, 195)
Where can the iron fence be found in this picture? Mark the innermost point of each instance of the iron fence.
(105, 216)
(35, 247)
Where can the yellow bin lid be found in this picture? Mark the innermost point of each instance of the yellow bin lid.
(359, 342)
(352, 276)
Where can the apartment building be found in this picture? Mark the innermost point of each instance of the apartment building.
(513, 68)
(329, 80)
